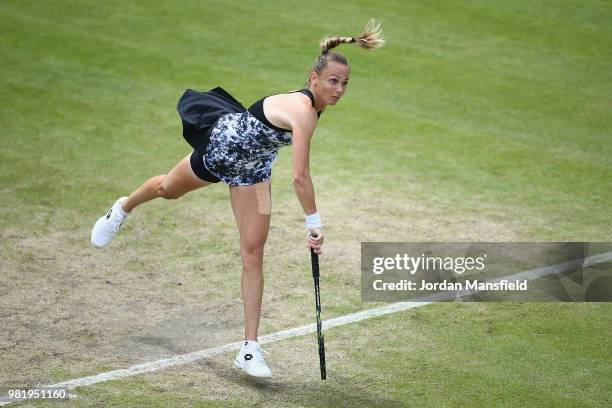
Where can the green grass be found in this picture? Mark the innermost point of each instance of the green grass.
(479, 120)
(485, 105)
(496, 356)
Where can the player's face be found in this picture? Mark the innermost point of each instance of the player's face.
(330, 85)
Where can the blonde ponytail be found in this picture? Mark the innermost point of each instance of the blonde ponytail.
(370, 39)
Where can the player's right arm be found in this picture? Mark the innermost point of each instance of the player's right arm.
(303, 121)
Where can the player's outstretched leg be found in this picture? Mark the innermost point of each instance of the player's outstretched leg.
(173, 185)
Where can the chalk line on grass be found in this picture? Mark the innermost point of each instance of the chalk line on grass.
(311, 328)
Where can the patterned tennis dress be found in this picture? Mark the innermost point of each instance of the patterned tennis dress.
(241, 147)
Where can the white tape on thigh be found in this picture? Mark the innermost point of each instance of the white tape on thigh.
(264, 201)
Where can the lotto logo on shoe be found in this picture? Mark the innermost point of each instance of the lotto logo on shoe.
(248, 357)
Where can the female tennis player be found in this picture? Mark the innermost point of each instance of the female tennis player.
(238, 146)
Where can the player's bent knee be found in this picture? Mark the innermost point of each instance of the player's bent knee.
(171, 195)
(164, 191)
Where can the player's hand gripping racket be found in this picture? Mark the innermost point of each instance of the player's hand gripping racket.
(315, 275)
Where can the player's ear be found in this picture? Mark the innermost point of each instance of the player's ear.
(313, 77)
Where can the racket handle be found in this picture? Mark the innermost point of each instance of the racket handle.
(314, 258)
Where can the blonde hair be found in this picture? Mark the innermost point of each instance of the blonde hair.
(370, 39)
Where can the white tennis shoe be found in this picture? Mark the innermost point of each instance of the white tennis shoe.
(251, 361)
(107, 226)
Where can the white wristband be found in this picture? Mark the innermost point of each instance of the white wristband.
(313, 221)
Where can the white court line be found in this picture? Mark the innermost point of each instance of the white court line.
(311, 328)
